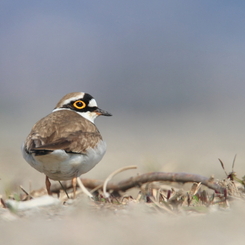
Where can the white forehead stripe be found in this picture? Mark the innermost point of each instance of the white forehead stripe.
(72, 99)
(92, 103)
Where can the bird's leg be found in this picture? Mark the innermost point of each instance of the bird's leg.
(48, 185)
(74, 185)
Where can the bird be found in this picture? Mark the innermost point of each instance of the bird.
(66, 143)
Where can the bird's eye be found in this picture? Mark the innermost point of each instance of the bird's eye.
(79, 104)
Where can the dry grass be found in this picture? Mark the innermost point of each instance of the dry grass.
(154, 212)
(171, 198)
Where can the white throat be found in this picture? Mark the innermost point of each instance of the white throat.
(88, 115)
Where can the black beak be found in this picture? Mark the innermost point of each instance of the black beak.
(102, 112)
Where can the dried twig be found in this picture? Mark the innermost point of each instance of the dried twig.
(223, 166)
(161, 206)
(106, 194)
(233, 163)
(27, 194)
(138, 180)
(81, 185)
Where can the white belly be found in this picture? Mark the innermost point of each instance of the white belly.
(60, 165)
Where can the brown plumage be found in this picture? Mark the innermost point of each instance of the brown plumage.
(60, 132)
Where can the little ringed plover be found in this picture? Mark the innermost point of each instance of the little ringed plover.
(66, 143)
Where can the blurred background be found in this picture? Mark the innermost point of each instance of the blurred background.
(171, 73)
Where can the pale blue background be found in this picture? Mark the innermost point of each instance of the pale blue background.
(144, 55)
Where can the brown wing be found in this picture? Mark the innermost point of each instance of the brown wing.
(64, 130)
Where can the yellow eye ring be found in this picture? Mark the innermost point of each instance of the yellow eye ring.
(79, 104)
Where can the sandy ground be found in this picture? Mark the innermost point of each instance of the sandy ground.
(134, 224)
(181, 143)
